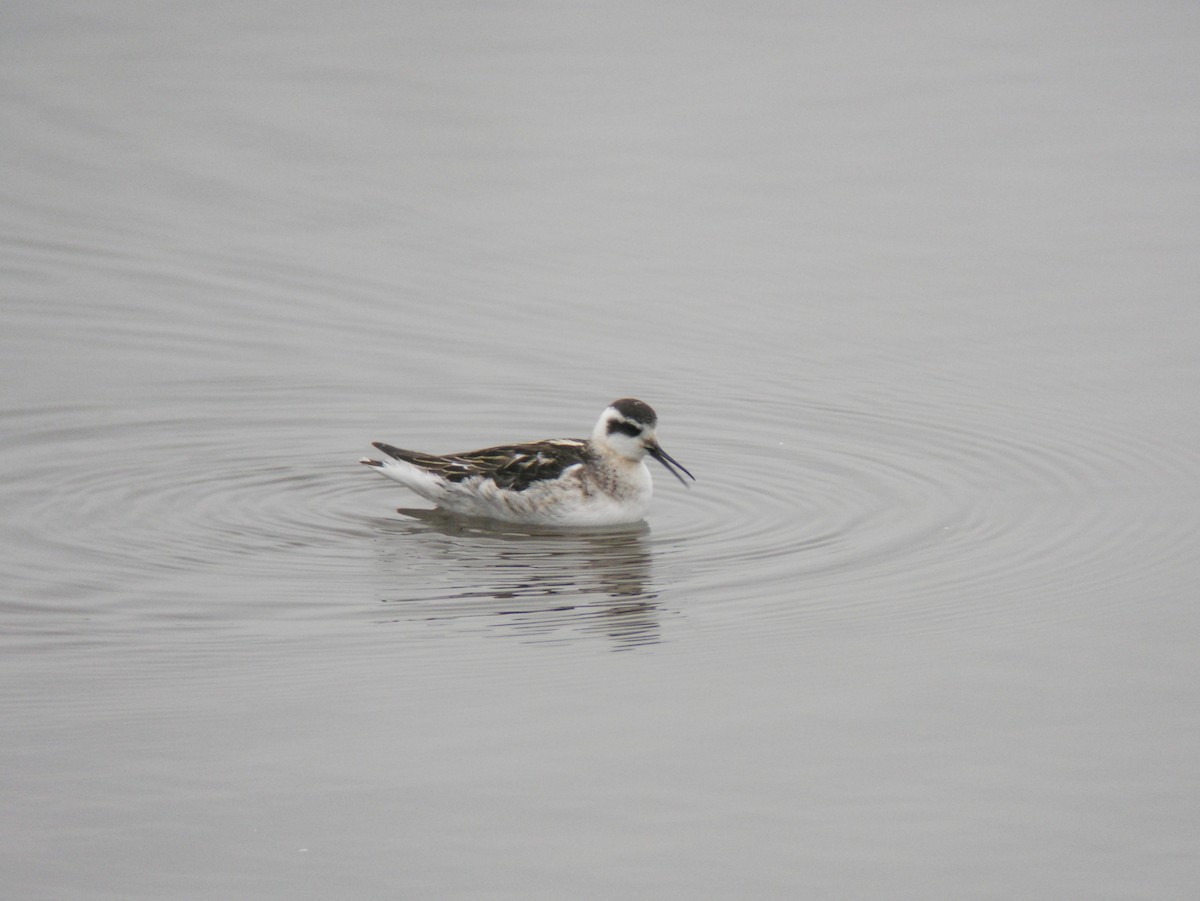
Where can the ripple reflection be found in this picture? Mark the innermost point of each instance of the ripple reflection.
(539, 585)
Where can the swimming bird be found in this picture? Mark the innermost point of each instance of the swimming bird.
(596, 481)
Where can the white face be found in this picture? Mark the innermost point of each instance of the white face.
(622, 431)
(624, 436)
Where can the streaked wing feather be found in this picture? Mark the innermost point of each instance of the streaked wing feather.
(518, 466)
(512, 466)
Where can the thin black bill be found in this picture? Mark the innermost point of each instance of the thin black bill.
(669, 462)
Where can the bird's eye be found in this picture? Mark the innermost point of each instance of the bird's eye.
(628, 428)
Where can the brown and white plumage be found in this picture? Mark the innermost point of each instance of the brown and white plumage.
(601, 480)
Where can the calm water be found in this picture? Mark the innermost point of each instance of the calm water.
(914, 293)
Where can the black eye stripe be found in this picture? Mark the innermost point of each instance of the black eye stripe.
(628, 428)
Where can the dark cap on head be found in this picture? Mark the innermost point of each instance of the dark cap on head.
(638, 411)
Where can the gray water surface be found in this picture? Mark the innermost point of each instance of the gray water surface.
(913, 291)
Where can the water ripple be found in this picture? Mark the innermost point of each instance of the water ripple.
(917, 519)
(805, 514)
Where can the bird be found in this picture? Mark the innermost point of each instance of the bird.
(597, 481)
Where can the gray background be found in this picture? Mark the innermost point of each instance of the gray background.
(913, 290)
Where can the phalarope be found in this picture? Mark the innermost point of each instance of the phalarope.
(597, 481)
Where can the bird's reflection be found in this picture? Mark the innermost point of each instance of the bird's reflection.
(542, 585)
